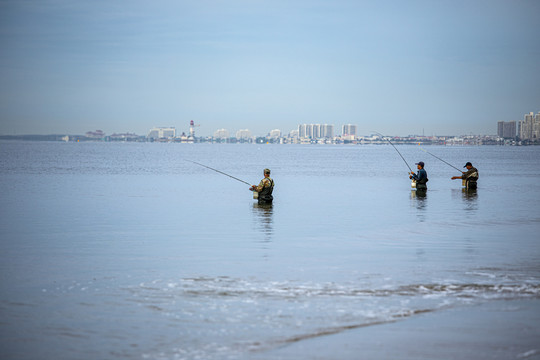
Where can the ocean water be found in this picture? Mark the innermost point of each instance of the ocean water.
(128, 251)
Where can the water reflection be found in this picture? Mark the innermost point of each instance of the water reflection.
(264, 218)
(469, 194)
(419, 198)
(469, 197)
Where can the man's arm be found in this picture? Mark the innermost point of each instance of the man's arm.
(260, 187)
(458, 177)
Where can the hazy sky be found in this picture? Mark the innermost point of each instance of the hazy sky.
(397, 67)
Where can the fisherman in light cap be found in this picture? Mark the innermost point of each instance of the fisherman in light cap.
(420, 177)
(264, 189)
(470, 176)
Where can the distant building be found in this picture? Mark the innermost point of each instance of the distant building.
(162, 133)
(221, 134)
(305, 130)
(242, 134)
(529, 127)
(315, 131)
(275, 134)
(349, 130)
(327, 131)
(98, 134)
(123, 137)
(506, 129)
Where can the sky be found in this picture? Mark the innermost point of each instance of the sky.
(433, 67)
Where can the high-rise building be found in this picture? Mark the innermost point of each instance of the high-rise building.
(349, 130)
(275, 134)
(315, 131)
(221, 134)
(161, 133)
(529, 127)
(536, 126)
(302, 131)
(305, 130)
(506, 129)
(327, 131)
(244, 134)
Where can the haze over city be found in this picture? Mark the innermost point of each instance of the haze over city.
(444, 67)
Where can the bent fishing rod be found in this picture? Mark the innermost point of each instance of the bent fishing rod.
(412, 172)
(436, 157)
(221, 172)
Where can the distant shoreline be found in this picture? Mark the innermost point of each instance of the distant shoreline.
(363, 140)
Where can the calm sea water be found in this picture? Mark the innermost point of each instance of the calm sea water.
(126, 250)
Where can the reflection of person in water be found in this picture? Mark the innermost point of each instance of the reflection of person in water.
(264, 214)
(469, 198)
(419, 194)
(264, 222)
(420, 202)
(469, 194)
(265, 189)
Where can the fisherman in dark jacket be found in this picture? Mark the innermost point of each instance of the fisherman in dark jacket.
(420, 177)
(470, 176)
(264, 189)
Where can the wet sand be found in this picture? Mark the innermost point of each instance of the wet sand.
(495, 330)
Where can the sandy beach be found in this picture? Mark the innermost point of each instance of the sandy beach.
(500, 330)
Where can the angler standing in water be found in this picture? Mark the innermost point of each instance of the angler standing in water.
(264, 189)
(420, 177)
(470, 176)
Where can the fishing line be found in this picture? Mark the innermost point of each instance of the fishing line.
(441, 160)
(221, 172)
(396, 150)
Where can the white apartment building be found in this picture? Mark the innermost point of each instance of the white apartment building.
(529, 127)
(275, 134)
(161, 133)
(348, 130)
(315, 131)
(327, 131)
(221, 134)
(244, 134)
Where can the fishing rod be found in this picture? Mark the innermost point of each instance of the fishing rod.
(436, 157)
(221, 172)
(396, 150)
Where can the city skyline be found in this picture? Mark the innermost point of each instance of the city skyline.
(527, 128)
(441, 67)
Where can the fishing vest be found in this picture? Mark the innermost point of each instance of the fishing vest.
(473, 176)
(424, 180)
(266, 193)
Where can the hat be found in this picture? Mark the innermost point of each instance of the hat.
(468, 164)
(267, 171)
(421, 163)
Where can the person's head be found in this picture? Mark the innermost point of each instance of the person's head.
(468, 165)
(266, 172)
(420, 165)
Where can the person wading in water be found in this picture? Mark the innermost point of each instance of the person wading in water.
(420, 177)
(264, 189)
(470, 176)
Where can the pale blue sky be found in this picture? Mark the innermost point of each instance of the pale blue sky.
(397, 67)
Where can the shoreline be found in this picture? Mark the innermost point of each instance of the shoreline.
(504, 329)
